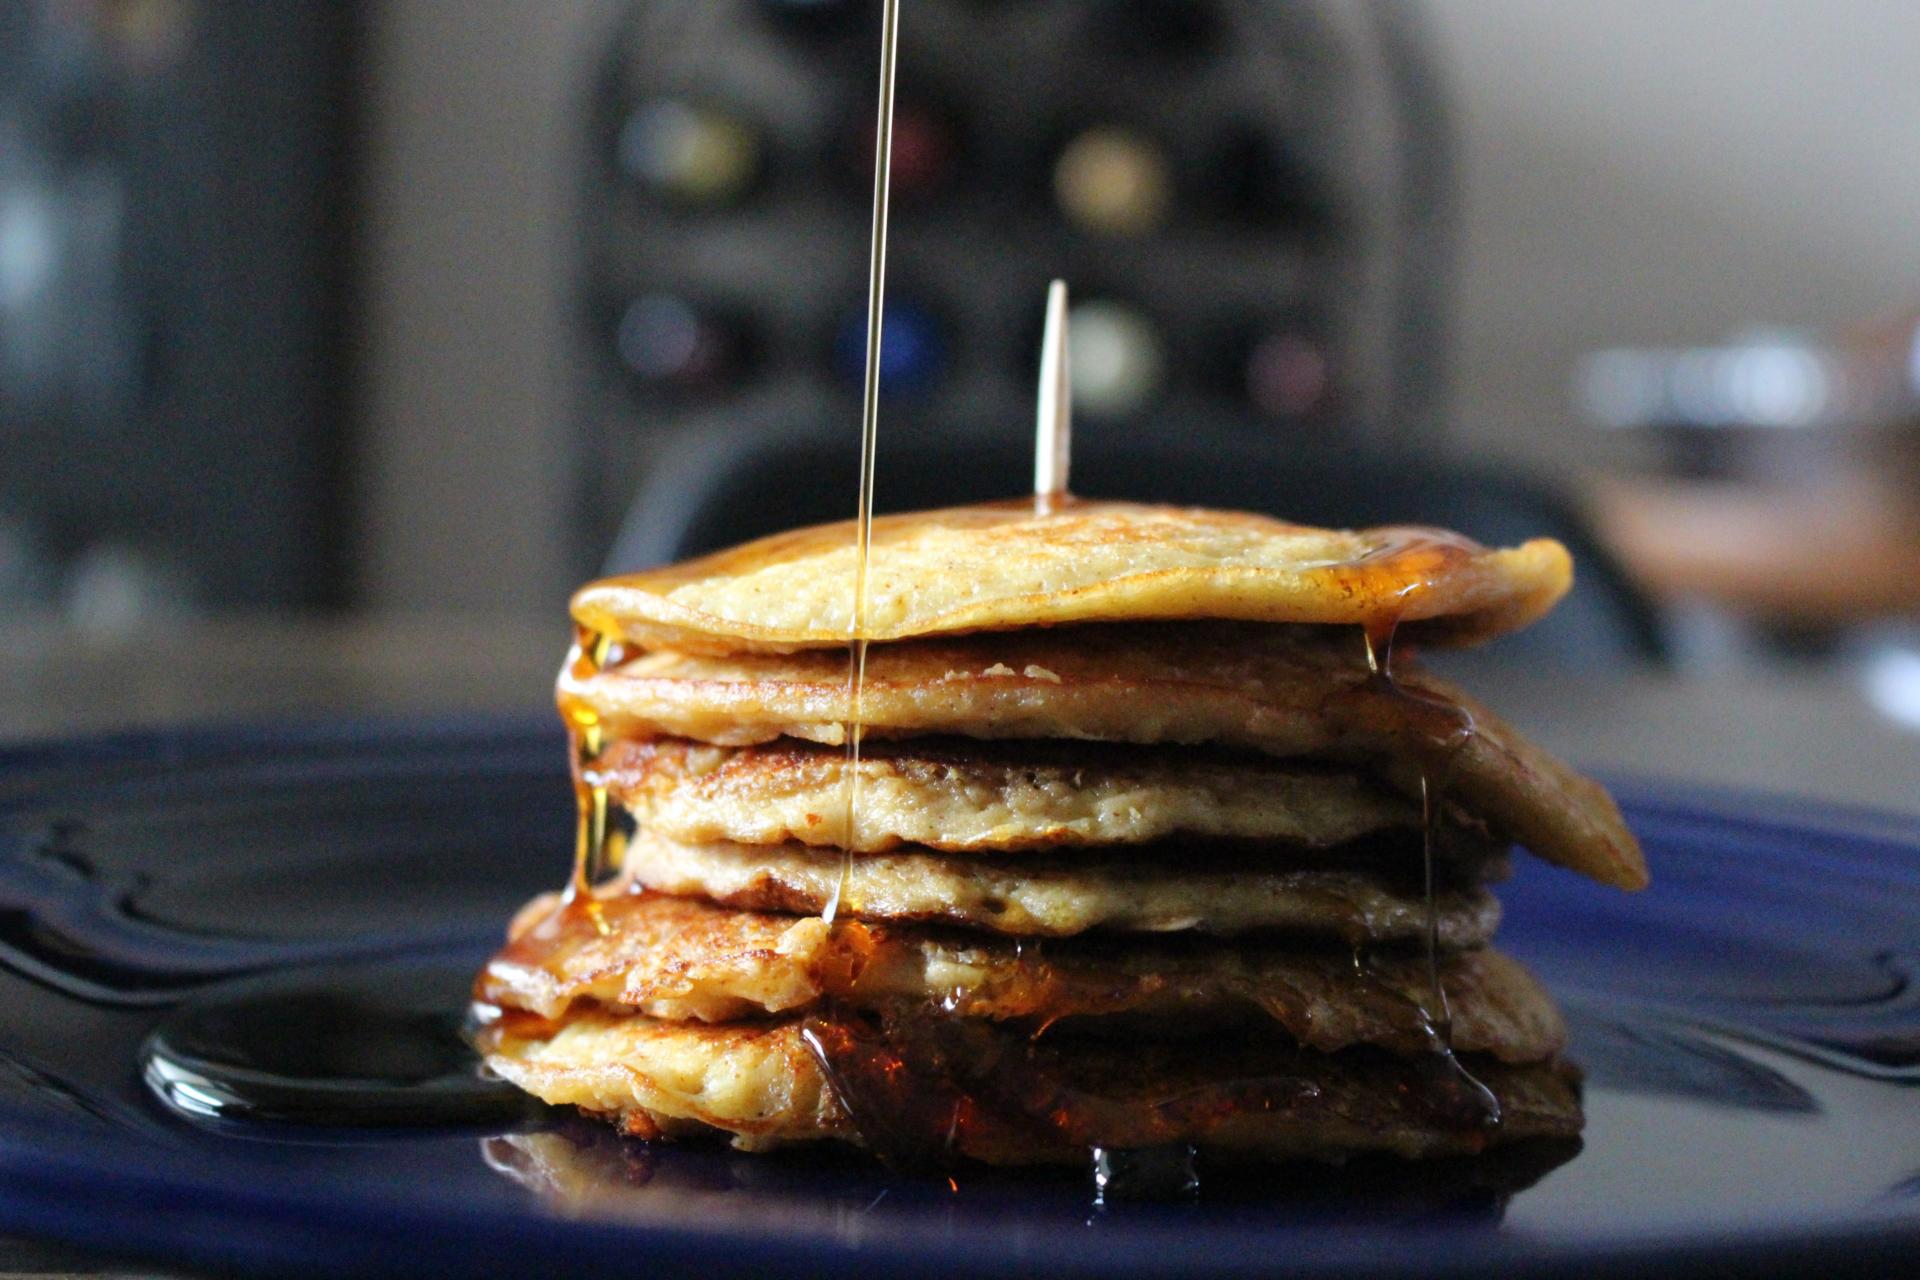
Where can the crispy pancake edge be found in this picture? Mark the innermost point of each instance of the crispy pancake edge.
(1087, 561)
(979, 797)
(681, 958)
(1289, 692)
(1047, 896)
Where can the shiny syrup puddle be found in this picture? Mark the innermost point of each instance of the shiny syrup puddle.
(383, 1045)
(1707, 1110)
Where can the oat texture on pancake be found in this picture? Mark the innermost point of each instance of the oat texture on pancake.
(1161, 836)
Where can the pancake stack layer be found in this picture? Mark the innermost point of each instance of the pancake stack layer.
(1138, 855)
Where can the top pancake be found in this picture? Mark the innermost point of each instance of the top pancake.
(1004, 566)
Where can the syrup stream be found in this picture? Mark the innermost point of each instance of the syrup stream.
(869, 438)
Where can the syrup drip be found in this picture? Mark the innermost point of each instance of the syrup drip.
(1143, 1173)
(599, 844)
(1455, 730)
(891, 1108)
(920, 1092)
(1388, 578)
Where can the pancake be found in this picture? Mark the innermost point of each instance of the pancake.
(1160, 890)
(1005, 566)
(930, 1089)
(1143, 849)
(1284, 691)
(680, 958)
(976, 797)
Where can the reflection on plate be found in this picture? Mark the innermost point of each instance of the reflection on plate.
(1750, 1029)
(585, 1170)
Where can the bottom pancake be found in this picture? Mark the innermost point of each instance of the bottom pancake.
(929, 1090)
(682, 958)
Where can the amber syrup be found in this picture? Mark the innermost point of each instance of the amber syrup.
(855, 726)
(599, 846)
(372, 1045)
(1451, 726)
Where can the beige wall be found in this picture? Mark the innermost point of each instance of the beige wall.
(1651, 171)
(473, 129)
(1633, 171)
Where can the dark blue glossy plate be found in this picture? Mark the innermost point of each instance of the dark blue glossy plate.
(1750, 1027)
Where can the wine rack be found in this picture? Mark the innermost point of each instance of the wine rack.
(1247, 198)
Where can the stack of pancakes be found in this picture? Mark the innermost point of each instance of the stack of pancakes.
(1149, 847)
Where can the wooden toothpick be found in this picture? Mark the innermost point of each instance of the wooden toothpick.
(1053, 426)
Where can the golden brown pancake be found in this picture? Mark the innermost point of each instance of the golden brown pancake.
(1130, 865)
(937, 1088)
(1047, 895)
(975, 796)
(1004, 566)
(680, 958)
(1285, 691)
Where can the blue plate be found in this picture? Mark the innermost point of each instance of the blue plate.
(1750, 1027)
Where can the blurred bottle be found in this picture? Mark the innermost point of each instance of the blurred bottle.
(814, 16)
(1119, 361)
(1156, 28)
(1287, 374)
(689, 153)
(1256, 174)
(148, 37)
(668, 343)
(913, 348)
(1114, 182)
(115, 590)
(28, 577)
(926, 152)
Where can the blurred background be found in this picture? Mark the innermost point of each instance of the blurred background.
(338, 342)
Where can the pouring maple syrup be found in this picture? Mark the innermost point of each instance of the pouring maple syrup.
(869, 440)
